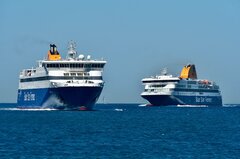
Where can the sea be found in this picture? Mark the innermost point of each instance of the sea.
(123, 130)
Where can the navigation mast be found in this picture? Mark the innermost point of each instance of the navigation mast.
(72, 53)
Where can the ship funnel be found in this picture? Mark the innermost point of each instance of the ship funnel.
(53, 49)
(189, 71)
(53, 54)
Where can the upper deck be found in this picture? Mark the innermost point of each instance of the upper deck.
(179, 83)
(160, 79)
(56, 65)
(72, 61)
(73, 64)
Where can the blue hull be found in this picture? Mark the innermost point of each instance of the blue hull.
(164, 100)
(79, 98)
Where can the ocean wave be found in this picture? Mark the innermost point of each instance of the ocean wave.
(27, 109)
(231, 105)
(118, 110)
(142, 105)
(192, 106)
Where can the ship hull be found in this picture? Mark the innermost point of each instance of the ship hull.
(73, 98)
(165, 100)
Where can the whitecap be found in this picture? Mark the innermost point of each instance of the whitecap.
(192, 106)
(27, 109)
(119, 110)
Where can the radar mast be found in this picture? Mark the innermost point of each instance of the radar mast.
(164, 71)
(72, 53)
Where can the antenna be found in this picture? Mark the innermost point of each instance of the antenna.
(72, 53)
(164, 71)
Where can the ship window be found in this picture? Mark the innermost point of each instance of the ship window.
(159, 85)
(181, 86)
(54, 65)
(97, 65)
(162, 81)
(79, 74)
(87, 65)
(192, 82)
(73, 74)
(79, 65)
(66, 74)
(67, 65)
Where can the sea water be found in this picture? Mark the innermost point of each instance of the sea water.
(121, 131)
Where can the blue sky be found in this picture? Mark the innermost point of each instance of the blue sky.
(137, 38)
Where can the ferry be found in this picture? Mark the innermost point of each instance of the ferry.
(73, 83)
(187, 89)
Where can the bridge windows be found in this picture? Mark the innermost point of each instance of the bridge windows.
(73, 65)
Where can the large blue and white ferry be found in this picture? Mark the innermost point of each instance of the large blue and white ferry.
(72, 83)
(165, 89)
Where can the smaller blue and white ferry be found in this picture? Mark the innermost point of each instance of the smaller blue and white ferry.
(72, 83)
(166, 89)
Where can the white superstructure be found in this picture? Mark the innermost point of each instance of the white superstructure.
(55, 73)
(166, 89)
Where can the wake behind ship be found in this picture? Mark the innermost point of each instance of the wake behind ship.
(166, 89)
(72, 83)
